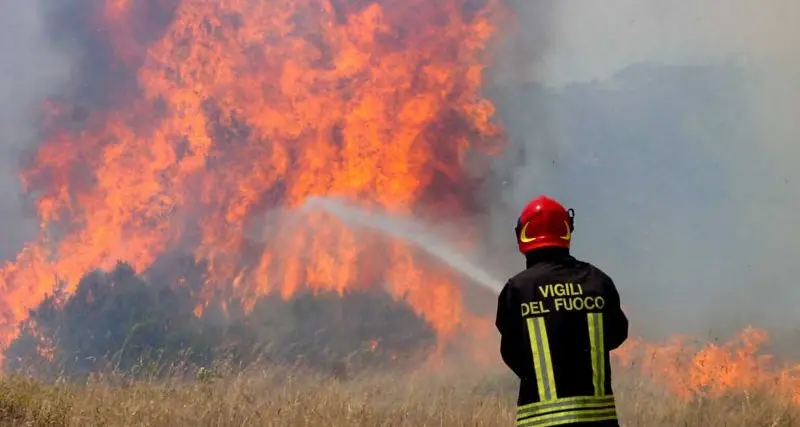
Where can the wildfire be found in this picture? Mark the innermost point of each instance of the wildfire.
(209, 115)
(233, 109)
(688, 369)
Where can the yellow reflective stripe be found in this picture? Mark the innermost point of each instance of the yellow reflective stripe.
(570, 417)
(578, 400)
(564, 404)
(542, 363)
(548, 361)
(598, 352)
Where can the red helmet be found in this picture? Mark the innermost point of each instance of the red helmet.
(544, 223)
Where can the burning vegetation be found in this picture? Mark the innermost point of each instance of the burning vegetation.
(119, 322)
(198, 129)
(201, 118)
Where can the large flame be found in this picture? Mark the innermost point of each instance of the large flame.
(242, 106)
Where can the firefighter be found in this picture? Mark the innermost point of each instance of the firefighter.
(558, 320)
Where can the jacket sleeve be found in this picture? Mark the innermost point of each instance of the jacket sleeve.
(615, 321)
(509, 325)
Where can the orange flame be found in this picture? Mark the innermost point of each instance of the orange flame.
(689, 370)
(240, 107)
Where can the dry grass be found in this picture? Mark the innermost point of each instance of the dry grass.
(282, 398)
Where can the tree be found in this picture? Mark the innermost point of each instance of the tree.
(120, 321)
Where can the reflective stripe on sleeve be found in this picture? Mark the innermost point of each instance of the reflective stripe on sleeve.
(596, 340)
(542, 363)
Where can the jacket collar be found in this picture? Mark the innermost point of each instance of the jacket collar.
(544, 255)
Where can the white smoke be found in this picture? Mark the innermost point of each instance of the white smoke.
(672, 128)
(30, 70)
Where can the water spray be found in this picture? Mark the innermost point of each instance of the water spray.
(409, 231)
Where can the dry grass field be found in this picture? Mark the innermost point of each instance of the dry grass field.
(280, 397)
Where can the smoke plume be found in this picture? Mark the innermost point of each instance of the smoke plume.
(31, 70)
(671, 128)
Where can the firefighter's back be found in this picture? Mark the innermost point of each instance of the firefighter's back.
(558, 320)
(562, 308)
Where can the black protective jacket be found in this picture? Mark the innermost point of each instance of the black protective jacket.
(558, 321)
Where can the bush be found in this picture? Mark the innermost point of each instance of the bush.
(118, 321)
